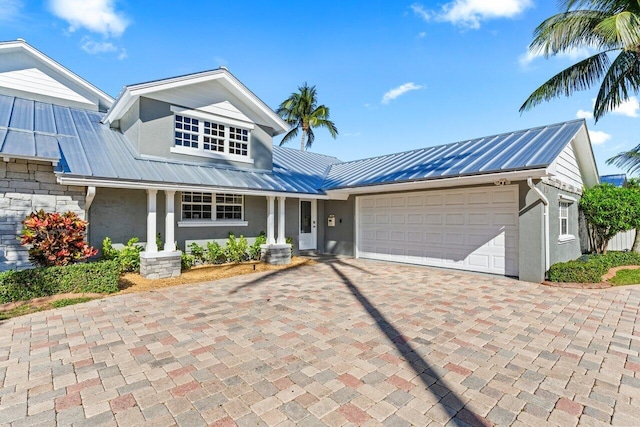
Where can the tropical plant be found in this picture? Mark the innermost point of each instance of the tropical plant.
(215, 254)
(607, 26)
(197, 251)
(255, 250)
(236, 249)
(55, 238)
(608, 211)
(128, 257)
(301, 110)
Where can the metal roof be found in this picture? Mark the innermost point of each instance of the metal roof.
(85, 148)
(520, 150)
(618, 180)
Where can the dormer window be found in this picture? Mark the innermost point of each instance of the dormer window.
(206, 137)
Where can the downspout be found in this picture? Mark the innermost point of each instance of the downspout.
(91, 194)
(545, 201)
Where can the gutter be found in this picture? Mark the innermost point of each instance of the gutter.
(545, 201)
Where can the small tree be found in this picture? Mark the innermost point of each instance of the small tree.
(55, 238)
(609, 210)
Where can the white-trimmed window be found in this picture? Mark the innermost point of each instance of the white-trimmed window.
(198, 136)
(212, 207)
(229, 206)
(564, 217)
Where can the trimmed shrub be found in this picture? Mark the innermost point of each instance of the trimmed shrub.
(99, 277)
(591, 268)
(55, 238)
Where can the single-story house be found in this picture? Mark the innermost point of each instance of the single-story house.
(192, 158)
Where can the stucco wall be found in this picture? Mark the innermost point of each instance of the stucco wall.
(339, 240)
(121, 214)
(25, 187)
(532, 251)
(150, 125)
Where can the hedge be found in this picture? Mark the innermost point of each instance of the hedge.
(591, 268)
(99, 277)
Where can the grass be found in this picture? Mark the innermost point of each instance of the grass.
(18, 311)
(69, 301)
(626, 277)
(30, 307)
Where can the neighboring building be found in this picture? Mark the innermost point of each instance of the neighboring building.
(619, 180)
(192, 158)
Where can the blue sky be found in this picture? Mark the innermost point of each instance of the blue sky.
(396, 75)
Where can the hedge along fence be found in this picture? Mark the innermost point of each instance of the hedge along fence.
(591, 268)
(96, 277)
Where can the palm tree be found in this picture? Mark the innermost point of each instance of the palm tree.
(628, 160)
(607, 26)
(301, 110)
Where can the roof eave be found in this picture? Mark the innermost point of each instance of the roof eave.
(450, 181)
(132, 92)
(58, 67)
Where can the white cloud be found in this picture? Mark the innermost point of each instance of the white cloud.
(422, 34)
(98, 16)
(10, 10)
(93, 47)
(352, 134)
(628, 108)
(583, 114)
(598, 137)
(471, 13)
(399, 91)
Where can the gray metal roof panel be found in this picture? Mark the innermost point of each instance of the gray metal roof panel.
(87, 148)
(522, 149)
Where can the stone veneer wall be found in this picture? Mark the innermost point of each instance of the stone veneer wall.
(160, 265)
(27, 186)
(276, 254)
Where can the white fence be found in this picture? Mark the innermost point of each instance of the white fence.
(622, 241)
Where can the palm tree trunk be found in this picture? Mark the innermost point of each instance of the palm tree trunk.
(636, 242)
(304, 134)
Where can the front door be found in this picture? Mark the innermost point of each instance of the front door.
(308, 225)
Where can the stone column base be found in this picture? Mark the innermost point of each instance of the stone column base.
(160, 265)
(279, 254)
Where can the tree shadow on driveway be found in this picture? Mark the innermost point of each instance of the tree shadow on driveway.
(421, 367)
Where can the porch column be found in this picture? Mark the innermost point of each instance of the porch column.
(281, 238)
(169, 221)
(270, 220)
(151, 222)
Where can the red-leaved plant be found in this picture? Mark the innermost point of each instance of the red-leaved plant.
(55, 238)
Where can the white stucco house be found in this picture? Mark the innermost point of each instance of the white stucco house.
(192, 158)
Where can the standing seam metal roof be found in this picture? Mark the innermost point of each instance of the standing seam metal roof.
(86, 148)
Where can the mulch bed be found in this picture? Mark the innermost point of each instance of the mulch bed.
(602, 285)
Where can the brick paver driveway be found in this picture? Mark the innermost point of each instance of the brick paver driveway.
(349, 341)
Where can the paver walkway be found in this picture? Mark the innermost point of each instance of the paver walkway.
(343, 342)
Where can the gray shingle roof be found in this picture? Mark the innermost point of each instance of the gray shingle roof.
(84, 147)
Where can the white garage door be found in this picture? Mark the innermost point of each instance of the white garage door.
(469, 229)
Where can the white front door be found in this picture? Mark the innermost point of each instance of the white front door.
(308, 225)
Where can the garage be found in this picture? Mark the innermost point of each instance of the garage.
(473, 229)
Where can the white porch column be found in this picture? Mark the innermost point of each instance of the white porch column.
(281, 208)
(270, 220)
(169, 221)
(151, 222)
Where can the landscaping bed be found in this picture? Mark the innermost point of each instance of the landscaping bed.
(596, 271)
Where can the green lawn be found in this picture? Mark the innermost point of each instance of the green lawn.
(626, 277)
